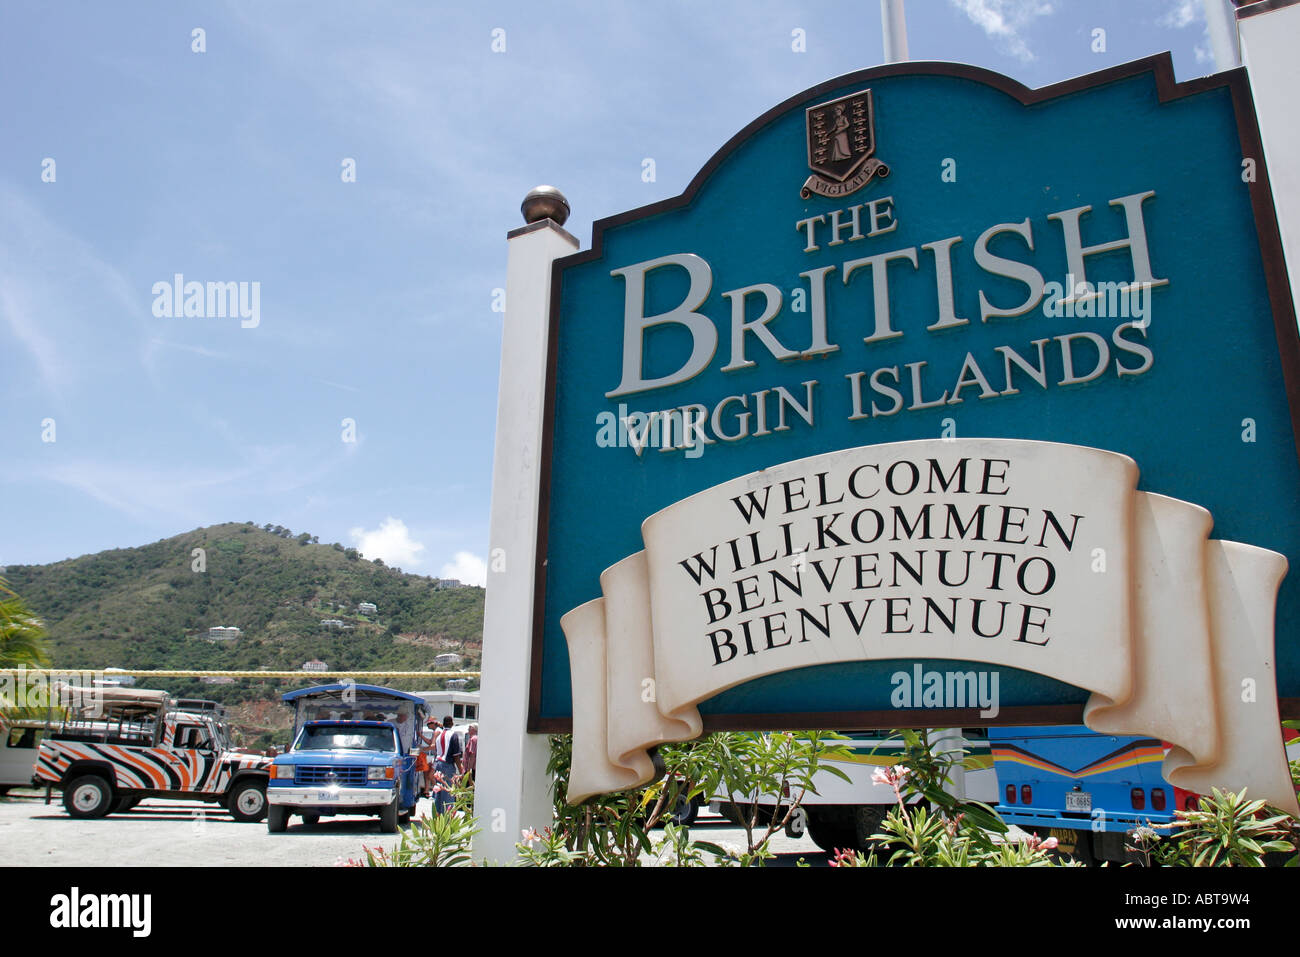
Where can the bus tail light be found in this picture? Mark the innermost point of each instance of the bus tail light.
(1138, 798)
(1026, 794)
(1158, 799)
(1011, 794)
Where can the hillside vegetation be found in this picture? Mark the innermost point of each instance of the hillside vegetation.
(150, 607)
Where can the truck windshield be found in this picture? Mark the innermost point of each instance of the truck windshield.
(328, 738)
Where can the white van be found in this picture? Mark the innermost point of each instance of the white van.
(20, 740)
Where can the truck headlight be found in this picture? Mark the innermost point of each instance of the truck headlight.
(279, 771)
(379, 773)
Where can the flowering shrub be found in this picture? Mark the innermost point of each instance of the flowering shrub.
(928, 827)
(1226, 830)
(939, 830)
(613, 830)
(442, 840)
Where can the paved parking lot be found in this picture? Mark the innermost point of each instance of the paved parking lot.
(183, 834)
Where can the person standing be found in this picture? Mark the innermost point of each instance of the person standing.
(428, 737)
(447, 759)
(471, 755)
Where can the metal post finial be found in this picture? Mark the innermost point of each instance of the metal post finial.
(545, 202)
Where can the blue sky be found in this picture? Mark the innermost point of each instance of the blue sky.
(375, 295)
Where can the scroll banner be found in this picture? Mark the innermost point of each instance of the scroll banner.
(1030, 555)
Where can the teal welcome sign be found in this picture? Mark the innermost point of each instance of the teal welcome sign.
(922, 252)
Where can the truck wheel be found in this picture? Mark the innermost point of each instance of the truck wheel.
(828, 830)
(388, 818)
(277, 819)
(685, 812)
(1083, 851)
(247, 801)
(124, 802)
(867, 819)
(835, 828)
(310, 819)
(88, 796)
(4, 789)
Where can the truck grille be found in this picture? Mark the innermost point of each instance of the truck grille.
(346, 777)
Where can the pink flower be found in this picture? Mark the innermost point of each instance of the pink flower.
(845, 857)
(893, 777)
(531, 835)
(1036, 843)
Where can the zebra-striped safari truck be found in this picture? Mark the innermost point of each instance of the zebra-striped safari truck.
(124, 745)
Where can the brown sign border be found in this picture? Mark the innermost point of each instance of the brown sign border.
(1279, 291)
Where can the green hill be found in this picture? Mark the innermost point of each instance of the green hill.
(148, 607)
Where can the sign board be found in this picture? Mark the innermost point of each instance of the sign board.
(909, 321)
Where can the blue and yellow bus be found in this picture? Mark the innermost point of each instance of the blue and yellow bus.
(1088, 790)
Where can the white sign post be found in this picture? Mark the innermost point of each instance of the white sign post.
(1268, 39)
(512, 788)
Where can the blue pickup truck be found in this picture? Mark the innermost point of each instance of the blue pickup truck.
(354, 752)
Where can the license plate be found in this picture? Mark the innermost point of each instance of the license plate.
(327, 795)
(1078, 801)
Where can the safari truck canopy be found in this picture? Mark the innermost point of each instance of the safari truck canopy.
(113, 702)
(353, 702)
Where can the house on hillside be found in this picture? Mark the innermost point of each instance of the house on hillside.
(446, 661)
(335, 623)
(315, 665)
(114, 680)
(441, 583)
(222, 633)
(368, 608)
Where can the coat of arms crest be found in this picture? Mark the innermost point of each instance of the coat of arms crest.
(841, 146)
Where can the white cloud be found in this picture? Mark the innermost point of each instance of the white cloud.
(50, 280)
(467, 568)
(391, 541)
(1005, 20)
(190, 492)
(1186, 13)
(1181, 13)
